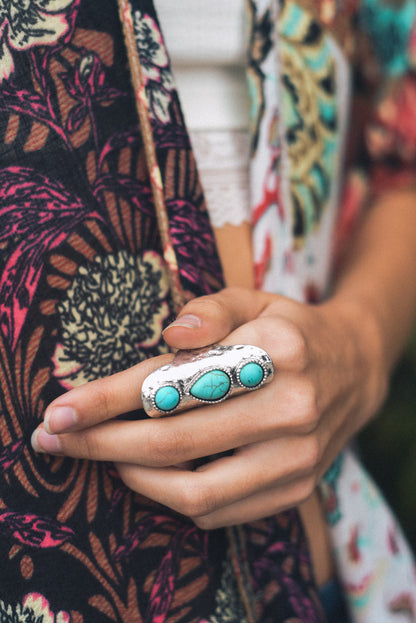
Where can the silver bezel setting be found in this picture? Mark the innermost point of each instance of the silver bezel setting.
(189, 366)
(263, 366)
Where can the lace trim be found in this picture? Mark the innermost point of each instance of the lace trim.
(223, 164)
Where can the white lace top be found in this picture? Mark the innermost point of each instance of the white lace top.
(206, 43)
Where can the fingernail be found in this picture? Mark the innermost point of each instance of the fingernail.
(188, 321)
(43, 442)
(59, 419)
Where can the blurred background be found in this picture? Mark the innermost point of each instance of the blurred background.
(388, 444)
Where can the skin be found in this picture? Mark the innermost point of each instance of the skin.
(333, 365)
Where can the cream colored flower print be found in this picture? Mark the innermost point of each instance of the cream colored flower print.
(34, 608)
(112, 316)
(154, 62)
(28, 23)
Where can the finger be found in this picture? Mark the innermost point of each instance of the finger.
(106, 398)
(281, 338)
(193, 501)
(259, 505)
(269, 501)
(278, 409)
(226, 480)
(101, 399)
(209, 319)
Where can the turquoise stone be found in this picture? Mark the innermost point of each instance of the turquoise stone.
(251, 374)
(213, 385)
(167, 398)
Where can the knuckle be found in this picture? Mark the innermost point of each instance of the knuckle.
(307, 403)
(233, 292)
(127, 478)
(87, 446)
(211, 305)
(311, 411)
(197, 501)
(216, 307)
(302, 407)
(304, 490)
(298, 348)
(311, 454)
(168, 446)
(100, 395)
(205, 523)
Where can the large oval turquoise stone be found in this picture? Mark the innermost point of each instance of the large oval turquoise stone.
(167, 398)
(251, 374)
(213, 385)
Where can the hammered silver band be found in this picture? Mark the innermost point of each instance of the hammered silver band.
(209, 376)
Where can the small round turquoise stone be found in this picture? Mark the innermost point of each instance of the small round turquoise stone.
(167, 398)
(212, 385)
(251, 374)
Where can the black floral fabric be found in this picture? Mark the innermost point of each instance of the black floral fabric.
(84, 292)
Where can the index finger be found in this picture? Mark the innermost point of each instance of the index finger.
(102, 399)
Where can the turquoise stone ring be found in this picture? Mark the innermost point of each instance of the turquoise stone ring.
(212, 386)
(167, 398)
(208, 375)
(251, 374)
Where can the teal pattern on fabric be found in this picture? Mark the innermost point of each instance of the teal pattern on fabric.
(309, 115)
(389, 27)
(292, 20)
(328, 487)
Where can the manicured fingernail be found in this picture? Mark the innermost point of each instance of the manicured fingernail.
(189, 321)
(43, 442)
(60, 419)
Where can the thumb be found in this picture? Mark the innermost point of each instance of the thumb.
(209, 319)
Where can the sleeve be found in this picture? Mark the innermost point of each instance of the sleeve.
(381, 151)
(385, 76)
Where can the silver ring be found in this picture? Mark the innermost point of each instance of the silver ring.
(208, 375)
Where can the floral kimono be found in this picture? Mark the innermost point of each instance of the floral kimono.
(104, 234)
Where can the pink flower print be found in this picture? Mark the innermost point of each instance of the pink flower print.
(154, 62)
(10, 453)
(37, 215)
(87, 84)
(29, 23)
(33, 530)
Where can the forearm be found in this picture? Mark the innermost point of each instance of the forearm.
(376, 285)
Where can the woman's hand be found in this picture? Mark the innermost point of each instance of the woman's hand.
(329, 381)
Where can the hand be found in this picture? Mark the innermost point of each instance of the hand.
(329, 381)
